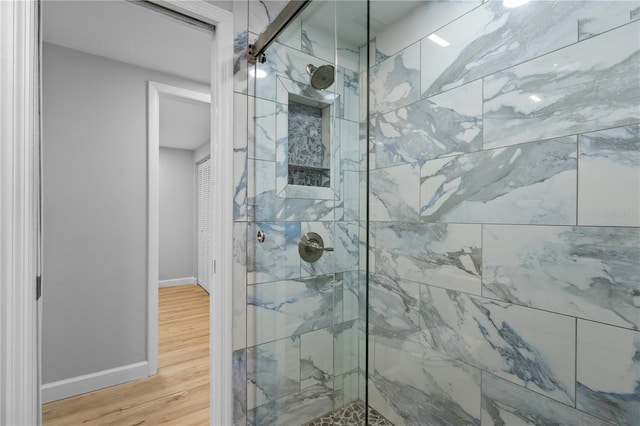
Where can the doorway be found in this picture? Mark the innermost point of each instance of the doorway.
(21, 73)
(100, 189)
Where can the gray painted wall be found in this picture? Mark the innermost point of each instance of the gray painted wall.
(177, 214)
(95, 280)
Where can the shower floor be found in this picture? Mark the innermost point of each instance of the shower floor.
(350, 415)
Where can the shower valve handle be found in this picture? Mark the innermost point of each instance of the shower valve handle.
(311, 247)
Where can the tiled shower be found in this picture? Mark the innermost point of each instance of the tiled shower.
(482, 197)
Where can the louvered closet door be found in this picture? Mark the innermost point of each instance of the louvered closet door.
(204, 222)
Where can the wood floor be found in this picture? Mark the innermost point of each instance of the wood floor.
(177, 395)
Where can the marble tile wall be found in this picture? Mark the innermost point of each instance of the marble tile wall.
(504, 267)
(295, 324)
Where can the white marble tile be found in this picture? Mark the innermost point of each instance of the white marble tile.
(316, 357)
(351, 295)
(262, 13)
(296, 409)
(301, 209)
(273, 370)
(240, 184)
(414, 385)
(529, 347)
(393, 308)
(395, 193)
(265, 86)
(240, 143)
(444, 255)
(265, 130)
(291, 63)
(445, 124)
(585, 272)
(348, 55)
(351, 195)
(363, 109)
(277, 257)
(528, 183)
(282, 309)
(239, 286)
(350, 156)
(609, 177)
(608, 372)
(504, 403)
(597, 17)
(239, 377)
(292, 35)
(346, 388)
(395, 82)
(318, 42)
(347, 86)
(346, 243)
(584, 87)
(345, 347)
(425, 18)
(492, 37)
(240, 45)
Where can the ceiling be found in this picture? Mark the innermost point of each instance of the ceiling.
(136, 35)
(129, 33)
(183, 124)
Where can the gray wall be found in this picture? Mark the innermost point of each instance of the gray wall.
(177, 214)
(95, 254)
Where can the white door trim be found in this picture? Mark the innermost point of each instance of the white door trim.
(19, 217)
(154, 91)
(221, 406)
(19, 206)
(220, 341)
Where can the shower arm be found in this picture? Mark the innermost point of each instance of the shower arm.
(255, 53)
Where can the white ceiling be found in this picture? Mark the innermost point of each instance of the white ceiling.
(129, 33)
(183, 124)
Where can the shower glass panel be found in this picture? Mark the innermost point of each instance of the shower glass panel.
(307, 318)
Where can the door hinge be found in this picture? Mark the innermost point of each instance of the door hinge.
(38, 287)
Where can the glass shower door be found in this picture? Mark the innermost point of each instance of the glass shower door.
(306, 236)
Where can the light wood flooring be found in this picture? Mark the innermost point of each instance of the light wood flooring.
(177, 395)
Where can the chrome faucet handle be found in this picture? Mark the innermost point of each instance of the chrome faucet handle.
(311, 247)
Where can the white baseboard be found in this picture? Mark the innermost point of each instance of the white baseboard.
(94, 381)
(177, 281)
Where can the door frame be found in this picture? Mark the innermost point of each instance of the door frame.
(19, 212)
(20, 143)
(155, 91)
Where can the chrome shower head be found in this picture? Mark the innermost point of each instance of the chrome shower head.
(322, 76)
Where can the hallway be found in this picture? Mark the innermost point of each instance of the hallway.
(179, 393)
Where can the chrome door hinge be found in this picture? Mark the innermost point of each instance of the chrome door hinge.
(38, 287)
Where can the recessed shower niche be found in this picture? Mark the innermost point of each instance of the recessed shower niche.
(306, 144)
(309, 158)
